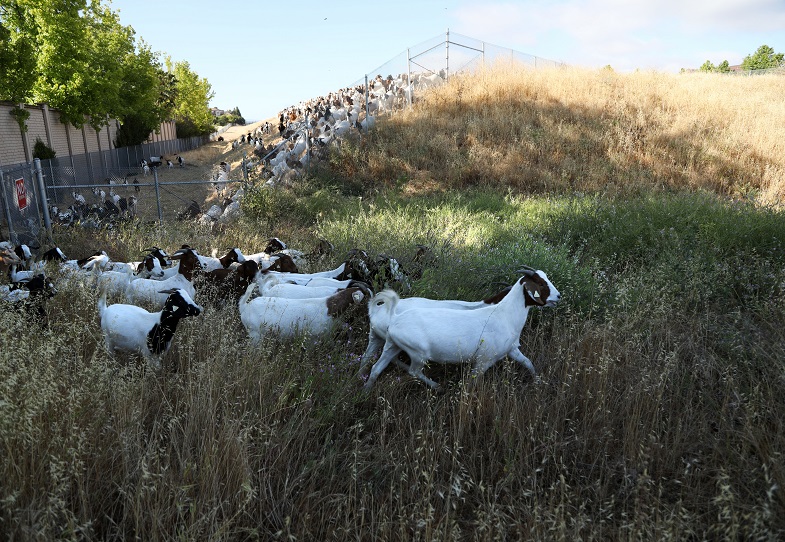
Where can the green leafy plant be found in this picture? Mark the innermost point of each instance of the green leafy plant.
(763, 58)
(20, 116)
(42, 151)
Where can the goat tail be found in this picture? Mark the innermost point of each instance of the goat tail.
(102, 301)
(247, 295)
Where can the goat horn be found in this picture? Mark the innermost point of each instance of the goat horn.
(526, 270)
(364, 286)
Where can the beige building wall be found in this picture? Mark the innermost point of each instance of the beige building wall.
(64, 139)
(11, 148)
(35, 127)
(166, 132)
(57, 129)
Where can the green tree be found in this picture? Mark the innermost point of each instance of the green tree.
(191, 110)
(762, 59)
(76, 56)
(17, 53)
(707, 67)
(74, 75)
(723, 67)
(17, 58)
(147, 96)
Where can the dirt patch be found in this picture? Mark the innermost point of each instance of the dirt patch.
(200, 168)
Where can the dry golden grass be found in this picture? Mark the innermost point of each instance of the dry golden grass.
(565, 130)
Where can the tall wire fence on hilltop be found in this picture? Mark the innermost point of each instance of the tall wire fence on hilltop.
(437, 59)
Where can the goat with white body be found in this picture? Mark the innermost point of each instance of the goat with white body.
(132, 329)
(379, 315)
(211, 263)
(483, 335)
(147, 291)
(271, 285)
(148, 268)
(287, 317)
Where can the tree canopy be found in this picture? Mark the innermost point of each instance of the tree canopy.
(723, 67)
(191, 110)
(76, 56)
(762, 59)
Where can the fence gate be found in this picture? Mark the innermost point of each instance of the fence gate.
(20, 206)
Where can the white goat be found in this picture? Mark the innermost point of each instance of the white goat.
(211, 263)
(273, 286)
(148, 291)
(148, 268)
(128, 328)
(275, 247)
(484, 335)
(114, 283)
(286, 317)
(379, 315)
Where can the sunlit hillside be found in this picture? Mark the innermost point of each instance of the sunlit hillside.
(566, 130)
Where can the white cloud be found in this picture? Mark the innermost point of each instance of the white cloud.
(628, 34)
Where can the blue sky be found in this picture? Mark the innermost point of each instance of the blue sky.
(264, 56)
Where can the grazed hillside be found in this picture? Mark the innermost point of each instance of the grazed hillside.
(564, 130)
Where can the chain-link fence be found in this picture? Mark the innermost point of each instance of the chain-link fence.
(432, 62)
(108, 167)
(21, 202)
(100, 189)
(156, 193)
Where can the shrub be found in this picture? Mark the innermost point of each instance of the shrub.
(42, 151)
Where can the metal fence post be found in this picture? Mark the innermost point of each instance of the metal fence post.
(447, 54)
(42, 199)
(367, 92)
(308, 142)
(408, 78)
(158, 197)
(7, 210)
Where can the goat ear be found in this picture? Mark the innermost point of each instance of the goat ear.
(533, 295)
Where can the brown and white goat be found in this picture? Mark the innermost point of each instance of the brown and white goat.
(286, 317)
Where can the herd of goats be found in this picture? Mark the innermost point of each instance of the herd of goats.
(306, 131)
(310, 127)
(276, 301)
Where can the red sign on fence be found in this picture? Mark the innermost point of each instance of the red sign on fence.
(21, 194)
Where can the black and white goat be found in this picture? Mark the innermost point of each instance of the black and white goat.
(29, 297)
(132, 329)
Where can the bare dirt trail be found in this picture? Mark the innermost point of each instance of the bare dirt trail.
(201, 164)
